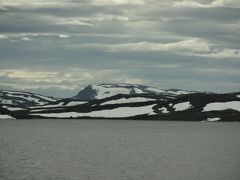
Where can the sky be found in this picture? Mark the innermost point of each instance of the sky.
(57, 47)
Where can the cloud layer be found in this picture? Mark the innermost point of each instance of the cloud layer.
(57, 47)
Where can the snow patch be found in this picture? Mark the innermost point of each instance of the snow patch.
(213, 119)
(6, 117)
(121, 112)
(138, 91)
(103, 92)
(41, 110)
(28, 98)
(164, 110)
(46, 98)
(219, 106)
(108, 90)
(182, 106)
(129, 100)
(156, 90)
(13, 108)
(179, 92)
(49, 106)
(6, 101)
(75, 103)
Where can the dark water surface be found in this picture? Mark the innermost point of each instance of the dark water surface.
(118, 150)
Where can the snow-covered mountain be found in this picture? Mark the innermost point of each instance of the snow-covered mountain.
(201, 106)
(188, 107)
(101, 91)
(23, 99)
(124, 101)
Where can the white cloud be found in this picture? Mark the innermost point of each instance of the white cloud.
(72, 21)
(190, 4)
(68, 77)
(193, 45)
(30, 35)
(119, 78)
(3, 36)
(165, 66)
(219, 71)
(226, 3)
(223, 54)
(63, 4)
(103, 17)
(26, 39)
(26, 74)
(63, 36)
(216, 3)
(25, 4)
(118, 2)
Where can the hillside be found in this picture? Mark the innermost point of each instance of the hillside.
(124, 101)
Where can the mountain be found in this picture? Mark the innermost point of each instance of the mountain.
(201, 106)
(23, 99)
(12, 101)
(101, 91)
(125, 101)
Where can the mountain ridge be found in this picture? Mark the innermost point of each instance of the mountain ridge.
(125, 101)
(100, 91)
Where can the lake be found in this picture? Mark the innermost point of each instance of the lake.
(118, 150)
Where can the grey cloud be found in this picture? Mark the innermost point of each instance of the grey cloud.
(130, 41)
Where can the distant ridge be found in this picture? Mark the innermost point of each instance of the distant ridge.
(123, 101)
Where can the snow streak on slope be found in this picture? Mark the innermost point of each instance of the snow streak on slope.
(13, 108)
(60, 104)
(28, 98)
(6, 117)
(219, 106)
(155, 90)
(179, 92)
(128, 100)
(121, 112)
(75, 103)
(49, 106)
(213, 119)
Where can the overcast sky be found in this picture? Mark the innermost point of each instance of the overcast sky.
(56, 47)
